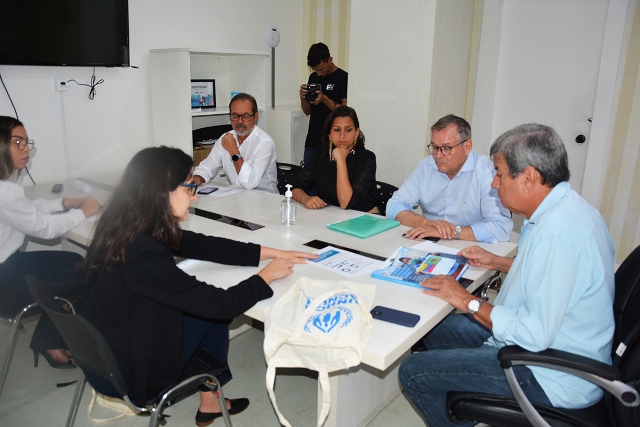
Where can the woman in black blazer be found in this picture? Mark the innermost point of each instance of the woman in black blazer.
(153, 314)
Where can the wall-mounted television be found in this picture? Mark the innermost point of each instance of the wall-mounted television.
(65, 32)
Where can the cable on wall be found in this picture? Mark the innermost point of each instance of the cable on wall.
(92, 85)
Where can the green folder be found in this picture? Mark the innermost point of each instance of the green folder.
(364, 226)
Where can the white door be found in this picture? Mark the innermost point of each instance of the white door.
(547, 67)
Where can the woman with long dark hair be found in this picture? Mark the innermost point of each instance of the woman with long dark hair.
(154, 315)
(21, 217)
(344, 173)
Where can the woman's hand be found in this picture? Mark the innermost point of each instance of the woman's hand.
(310, 202)
(276, 269)
(294, 256)
(90, 206)
(314, 202)
(339, 154)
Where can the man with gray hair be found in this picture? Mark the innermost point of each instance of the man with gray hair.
(558, 292)
(453, 188)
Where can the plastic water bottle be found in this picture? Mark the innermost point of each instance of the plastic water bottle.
(288, 209)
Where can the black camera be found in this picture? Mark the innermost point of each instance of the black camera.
(311, 91)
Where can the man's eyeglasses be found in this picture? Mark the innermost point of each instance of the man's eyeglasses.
(245, 117)
(445, 151)
(23, 142)
(192, 186)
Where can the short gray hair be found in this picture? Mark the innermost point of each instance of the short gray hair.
(534, 145)
(463, 127)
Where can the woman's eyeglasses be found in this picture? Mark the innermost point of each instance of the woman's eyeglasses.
(23, 142)
(192, 186)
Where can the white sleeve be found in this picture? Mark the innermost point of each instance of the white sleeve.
(31, 217)
(255, 166)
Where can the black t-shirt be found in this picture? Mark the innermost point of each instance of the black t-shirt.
(333, 86)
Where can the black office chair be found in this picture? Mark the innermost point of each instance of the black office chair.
(620, 405)
(15, 320)
(384, 192)
(93, 355)
(287, 173)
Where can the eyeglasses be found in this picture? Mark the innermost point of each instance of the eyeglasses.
(23, 142)
(192, 186)
(244, 117)
(445, 151)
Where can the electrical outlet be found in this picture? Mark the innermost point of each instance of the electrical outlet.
(61, 84)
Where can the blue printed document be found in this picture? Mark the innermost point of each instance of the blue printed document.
(343, 262)
(411, 266)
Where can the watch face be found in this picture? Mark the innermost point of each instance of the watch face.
(474, 306)
(235, 157)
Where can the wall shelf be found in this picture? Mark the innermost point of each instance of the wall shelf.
(171, 71)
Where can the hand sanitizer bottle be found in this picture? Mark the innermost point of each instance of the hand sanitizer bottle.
(288, 209)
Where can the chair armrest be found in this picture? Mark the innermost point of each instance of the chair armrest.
(598, 373)
(558, 360)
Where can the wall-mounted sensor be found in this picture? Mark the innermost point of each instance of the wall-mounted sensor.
(272, 36)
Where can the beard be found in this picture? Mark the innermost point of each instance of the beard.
(242, 130)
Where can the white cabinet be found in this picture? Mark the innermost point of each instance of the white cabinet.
(171, 71)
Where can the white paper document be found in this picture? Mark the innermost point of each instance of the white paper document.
(344, 262)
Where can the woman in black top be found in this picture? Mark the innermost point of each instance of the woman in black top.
(344, 174)
(154, 315)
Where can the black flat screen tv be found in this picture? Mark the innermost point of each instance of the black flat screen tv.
(65, 32)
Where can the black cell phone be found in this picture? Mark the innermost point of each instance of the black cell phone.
(207, 190)
(56, 188)
(395, 316)
(431, 239)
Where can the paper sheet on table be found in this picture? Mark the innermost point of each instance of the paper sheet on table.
(427, 246)
(344, 262)
(220, 192)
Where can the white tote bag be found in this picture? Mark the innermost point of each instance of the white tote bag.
(318, 325)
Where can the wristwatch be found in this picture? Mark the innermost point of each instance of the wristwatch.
(458, 232)
(474, 305)
(236, 157)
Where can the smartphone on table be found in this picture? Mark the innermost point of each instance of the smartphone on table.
(207, 190)
(431, 239)
(395, 316)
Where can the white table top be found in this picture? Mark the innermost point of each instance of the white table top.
(388, 341)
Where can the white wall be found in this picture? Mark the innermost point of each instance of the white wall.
(103, 134)
(408, 67)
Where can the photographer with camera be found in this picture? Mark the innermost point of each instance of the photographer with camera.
(325, 91)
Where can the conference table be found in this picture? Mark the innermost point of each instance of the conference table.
(359, 393)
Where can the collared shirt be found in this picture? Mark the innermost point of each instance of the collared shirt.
(559, 292)
(20, 217)
(467, 199)
(258, 170)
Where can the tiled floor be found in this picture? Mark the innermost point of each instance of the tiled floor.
(31, 398)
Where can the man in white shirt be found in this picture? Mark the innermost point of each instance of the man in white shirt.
(246, 154)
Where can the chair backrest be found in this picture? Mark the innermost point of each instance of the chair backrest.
(87, 345)
(210, 133)
(627, 331)
(287, 173)
(384, 192)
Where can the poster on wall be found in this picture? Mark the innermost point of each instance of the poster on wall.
(203, 93)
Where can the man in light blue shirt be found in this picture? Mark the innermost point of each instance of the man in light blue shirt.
(453, 188)
(558, 292)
